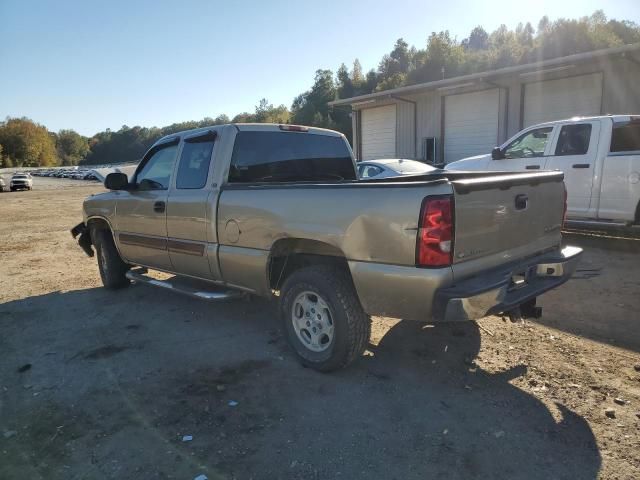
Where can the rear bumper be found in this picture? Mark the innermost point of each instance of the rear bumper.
(496, 292)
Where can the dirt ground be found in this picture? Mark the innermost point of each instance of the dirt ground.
(98, 384)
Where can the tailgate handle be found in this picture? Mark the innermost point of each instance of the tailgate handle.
(532, 167)
(580, 165)
(522, 201)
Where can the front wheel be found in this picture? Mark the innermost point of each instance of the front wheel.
(112, 268)
(325, 323)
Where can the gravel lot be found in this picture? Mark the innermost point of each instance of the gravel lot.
(99, 384)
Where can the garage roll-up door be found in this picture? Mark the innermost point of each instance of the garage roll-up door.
(562, 98)
(470, 124)
(379, 132)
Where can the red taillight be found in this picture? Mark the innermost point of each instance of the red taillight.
(564, 213)
(435, 232)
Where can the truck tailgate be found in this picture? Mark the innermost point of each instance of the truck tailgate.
(503, 218)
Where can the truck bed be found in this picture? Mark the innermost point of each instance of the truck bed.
(376, 222)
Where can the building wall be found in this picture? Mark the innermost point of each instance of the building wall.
(429, 119)
(405, 132)
(621, 87)
(355, 129)
(621, 94)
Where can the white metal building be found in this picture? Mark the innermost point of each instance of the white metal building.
(446, 120)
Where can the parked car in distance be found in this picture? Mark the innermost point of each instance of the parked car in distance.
(391, 167)
(3, 184)
(21, 181)
(278, 211)
(600, 158)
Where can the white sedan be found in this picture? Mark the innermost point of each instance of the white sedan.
(391, 167)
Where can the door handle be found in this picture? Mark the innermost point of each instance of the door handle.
(580, 165)
(532, 167)
(158, 207)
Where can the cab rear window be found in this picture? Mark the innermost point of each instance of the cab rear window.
(271, 157)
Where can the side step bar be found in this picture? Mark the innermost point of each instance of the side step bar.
(176, 285)
(597, 224)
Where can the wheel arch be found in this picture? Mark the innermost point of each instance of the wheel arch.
(96, 222)
(99, 223)
(290, 254)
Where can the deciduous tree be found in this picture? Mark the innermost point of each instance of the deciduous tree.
(26, 143)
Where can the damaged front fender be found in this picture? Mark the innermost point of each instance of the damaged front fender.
(85, 238)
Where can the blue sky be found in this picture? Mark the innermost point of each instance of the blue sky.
(91, 65)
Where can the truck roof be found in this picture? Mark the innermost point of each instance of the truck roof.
(614, 118)
(275, 127)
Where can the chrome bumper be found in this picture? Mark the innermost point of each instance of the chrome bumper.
(506, 288)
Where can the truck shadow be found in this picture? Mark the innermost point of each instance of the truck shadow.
(131, 371)
(485, 426)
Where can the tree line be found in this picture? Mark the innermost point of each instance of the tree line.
(25, 143)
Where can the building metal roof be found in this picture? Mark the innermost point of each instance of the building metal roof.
(482, 76)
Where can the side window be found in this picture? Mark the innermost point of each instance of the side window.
(574, 139)
(195, 159)
(368, 171)
(530, 144)
(625, 137)
(270, 156)
(156, 172)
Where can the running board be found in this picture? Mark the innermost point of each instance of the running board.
(178, 285)
(597, 224)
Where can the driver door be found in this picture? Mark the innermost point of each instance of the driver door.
(141, 211)
(575, 153)
(527, 152)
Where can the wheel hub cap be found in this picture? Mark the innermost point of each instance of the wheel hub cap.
(312, 321)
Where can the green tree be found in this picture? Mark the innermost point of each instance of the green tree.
(26, 143)
(478, 39)
(344, 82)
(524, 34)
(267, 113)
(71, 146)
(356, 73)
(312, 107)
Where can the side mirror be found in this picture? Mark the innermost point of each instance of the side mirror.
(116, 181)
(497, 153)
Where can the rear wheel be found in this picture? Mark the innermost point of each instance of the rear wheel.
(323, 318)
(112, 268)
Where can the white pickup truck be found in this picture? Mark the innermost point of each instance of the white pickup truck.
(600, 158)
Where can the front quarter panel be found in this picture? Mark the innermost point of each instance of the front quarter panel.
(101, 205)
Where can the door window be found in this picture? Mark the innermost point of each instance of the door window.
(194, 162)
(574, 139)
(530, 144)
(156, 172)
(625, 137)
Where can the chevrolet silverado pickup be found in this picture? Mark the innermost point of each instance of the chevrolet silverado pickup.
(278, 211)
(600, 158)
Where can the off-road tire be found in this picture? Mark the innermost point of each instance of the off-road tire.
(112, 268)
(352, 326)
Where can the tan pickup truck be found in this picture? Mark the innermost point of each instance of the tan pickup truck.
(277, 211)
